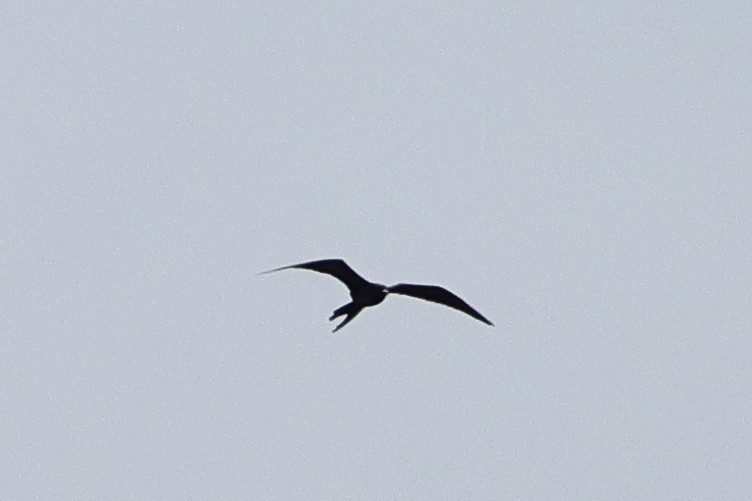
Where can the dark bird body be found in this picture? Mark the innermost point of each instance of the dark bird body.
(365, 293)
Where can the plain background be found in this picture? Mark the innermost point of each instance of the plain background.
(579, 173)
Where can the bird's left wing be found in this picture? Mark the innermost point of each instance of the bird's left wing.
(439, 295)
(334, 267)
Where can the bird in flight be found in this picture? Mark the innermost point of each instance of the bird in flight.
(365, 293)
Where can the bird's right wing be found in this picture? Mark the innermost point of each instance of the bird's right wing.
(334, 267)
(439, 295)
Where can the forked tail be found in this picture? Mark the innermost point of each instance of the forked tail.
(350, 310)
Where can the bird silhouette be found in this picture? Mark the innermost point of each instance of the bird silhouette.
(365, 293)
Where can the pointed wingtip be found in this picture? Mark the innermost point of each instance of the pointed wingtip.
(272, 271)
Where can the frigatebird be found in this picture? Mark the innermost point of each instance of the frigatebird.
(365, 293)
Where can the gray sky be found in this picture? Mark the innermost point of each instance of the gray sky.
(581, 174)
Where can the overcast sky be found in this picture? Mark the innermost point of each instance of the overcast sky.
(581, 174)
